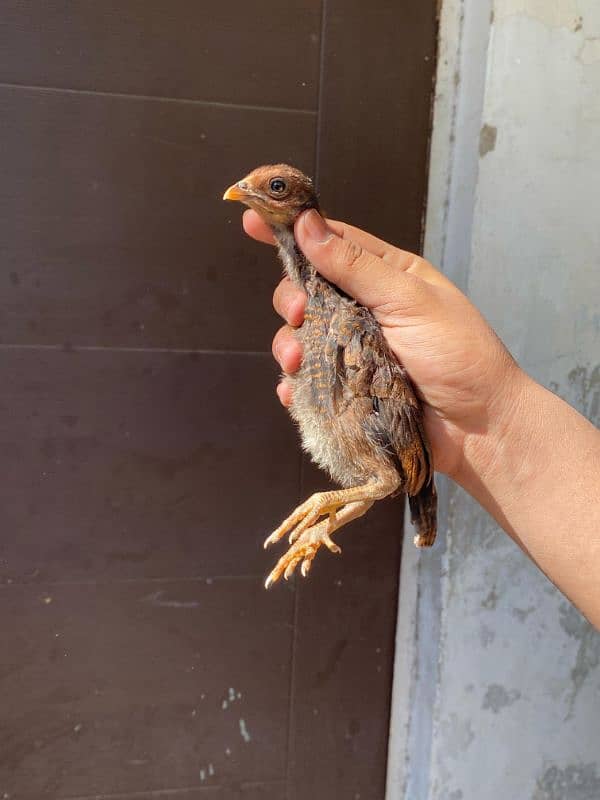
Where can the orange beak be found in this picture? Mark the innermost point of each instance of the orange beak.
(235, 193)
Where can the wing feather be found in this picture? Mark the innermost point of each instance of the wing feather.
(366, 367)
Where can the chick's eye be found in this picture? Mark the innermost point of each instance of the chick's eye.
(277, 186)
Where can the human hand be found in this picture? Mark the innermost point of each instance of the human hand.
(465, 376)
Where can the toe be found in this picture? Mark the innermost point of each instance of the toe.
(289, 570)
(274, 537)
(329, 543)
(275, 573)
(306, 565)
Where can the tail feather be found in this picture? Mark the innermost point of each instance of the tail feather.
(423, 512)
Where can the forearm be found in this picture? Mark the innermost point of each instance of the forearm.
(537, 472)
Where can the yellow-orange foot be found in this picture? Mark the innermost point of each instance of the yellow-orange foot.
(303, 549)
(306, 543)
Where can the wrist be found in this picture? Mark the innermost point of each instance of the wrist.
(496, 457)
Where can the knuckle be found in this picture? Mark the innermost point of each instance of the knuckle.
(349, 255)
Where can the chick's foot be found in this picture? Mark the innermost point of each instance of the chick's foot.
(307, 542)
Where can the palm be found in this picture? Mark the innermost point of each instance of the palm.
(453, 371)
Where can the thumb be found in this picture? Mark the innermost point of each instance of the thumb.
(367, 278)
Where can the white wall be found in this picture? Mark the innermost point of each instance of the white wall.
(497, 687)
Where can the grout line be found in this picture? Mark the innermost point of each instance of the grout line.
(208, 579)
(157, 98)
(87, 348)
(258, 784)
(150, 793)
(319, 111)
(296, 609)
(465, 30)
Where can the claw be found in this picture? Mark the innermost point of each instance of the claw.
(289, 570)
(303, 550)
(270, 540)
(306, 565)
(274, 575)
(293, 536)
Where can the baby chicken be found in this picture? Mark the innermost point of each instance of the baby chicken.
(354, 403)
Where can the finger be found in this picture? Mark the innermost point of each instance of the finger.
(287, 350)
(371, 280)
(402, 259)
(398, 258)
(289, 302)
(256, 227)
(284, 393)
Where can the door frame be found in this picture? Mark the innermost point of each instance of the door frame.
(463, 41)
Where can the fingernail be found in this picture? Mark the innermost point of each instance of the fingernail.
(316, 227)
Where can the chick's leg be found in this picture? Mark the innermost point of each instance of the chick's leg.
(329, 503)
(307, 543)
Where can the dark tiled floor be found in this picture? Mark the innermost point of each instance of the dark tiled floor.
(377, 80)
(265, 53)
(140, 656)
(345, 628)
(139, 686)
(204, 793)
(343, 670)
(129, 465)
(137, 248)
(274, 791)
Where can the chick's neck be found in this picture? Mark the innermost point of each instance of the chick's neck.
(298, 268)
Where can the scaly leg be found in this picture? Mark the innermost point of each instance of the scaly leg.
(329, 503)
(307, 543)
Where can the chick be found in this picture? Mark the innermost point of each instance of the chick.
(354, 403)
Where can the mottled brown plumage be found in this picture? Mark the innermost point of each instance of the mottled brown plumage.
(354, 403)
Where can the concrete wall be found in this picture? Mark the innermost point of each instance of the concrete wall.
(497, 688)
